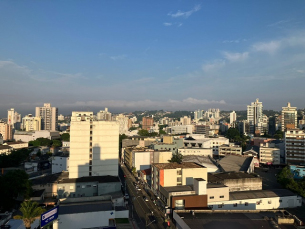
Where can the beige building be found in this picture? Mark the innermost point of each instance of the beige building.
(17, 145)
(5, 149)
(269, 154)
(6, 131)
(103, 115)
(185, 120)
(175, 174)
(48, 116)
(229, 149)
(31, 123)
(123, 123)
(289, 117)
(295, 146)
(93, 146)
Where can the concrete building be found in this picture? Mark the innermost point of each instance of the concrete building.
(295, 146)
(6, 131)
(26, 136)
(212, 115)
(228, 149)
(207, 162)
(48, 116)
(173, 146)
(255, 115)
(181, 129)
(185, 151)
(93, 146)
(123, 122)
(5, 149)
(236, 181)
(185, 120)
(147, 123)
(61, 117)
(31, 123)
(104, 115)
(17, 145)
(269, 154)
(198, 114)
(289, 117)
(175, 174)
(202, 129)
(13, 118)
(232, 117)
(213, 143)
(60, 164)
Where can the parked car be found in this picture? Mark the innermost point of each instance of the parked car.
(126, 196)
(145, 198)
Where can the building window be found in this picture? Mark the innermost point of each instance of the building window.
(246, 204)
(78, 186)
(221, 196)
(88, 186)
(71, 187)
(234, 205)
(211, 197)
(94, 186)
(83, 186)
(220, 206)
(281, 201)
(269, 202)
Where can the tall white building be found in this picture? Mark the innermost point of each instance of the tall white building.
(104, 115)
(94, 146)
(30, 123)
(48, 116)
(255, 115)
(289, 117)
(212, 114)
(13, 118)
(185, 120)
(123, 123)
(198, 114)
(232, 117)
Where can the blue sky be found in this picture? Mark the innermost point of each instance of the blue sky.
(131, 55)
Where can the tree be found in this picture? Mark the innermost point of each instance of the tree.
(65, 137)
(177, 157)
(279, 134)
(41, 142)
(30, 211)
(56, 143)
(162, 132)
(13, 184)
(233, 134)
(143, 133)
(132, 128)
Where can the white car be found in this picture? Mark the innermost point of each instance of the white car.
(126, 196)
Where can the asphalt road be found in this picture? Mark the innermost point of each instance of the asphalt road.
(143, 209)
(269, 177)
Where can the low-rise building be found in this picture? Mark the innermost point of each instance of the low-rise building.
(269, 154)
(185, 151)
(234, 163)
(17, 145)
(5, 149)
(228, 149)
(60, 163)
(295, 146)
(207, 162)
(213, 143)
(25, 136)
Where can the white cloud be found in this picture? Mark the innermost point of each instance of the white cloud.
(217, 64)
(119, 57)
(167, 24)
(235, 57)
(185, 14)
(278, 23)
(269, 47)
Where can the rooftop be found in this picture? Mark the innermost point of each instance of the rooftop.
(180, 188)
(49, 179)
(216, 185)
(74, 208)
(175, 165)
(235, 163)
(5, 147)
(231, 220)
(218, 177)
(254, 194)
(99, 179)
(15, 143)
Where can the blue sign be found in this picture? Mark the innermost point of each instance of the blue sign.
(48, 216)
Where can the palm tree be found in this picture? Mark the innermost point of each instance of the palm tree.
(30, 211)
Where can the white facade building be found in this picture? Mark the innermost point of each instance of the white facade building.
(269, 154)
(26, 136)
(48, 116)
(104, 115)
(60, 164)
(182, 129)
(13, 118)
(255, 115)
(232, 117)
(185, 151)
(93, 146)
(123, 123)
(31, 123)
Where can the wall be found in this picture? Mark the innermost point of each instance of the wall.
(170, 177)
(216, 193)
(105, 188)
(163, 157)
(196, 151)
(191, 202)
(60, 164)
(189, 173)
(180, 224)
(244, 184)
(141, 160)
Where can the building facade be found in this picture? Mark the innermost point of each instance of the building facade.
(30, 123)
(93, 146)
(289, 117)
(6, 131)
(295, 146)
(232, 117)
(48, 116)
(269, 154)
(13, 118)
(147, 123)
(104, 115)
(254, 115)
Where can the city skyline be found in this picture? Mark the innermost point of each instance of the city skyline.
(173, 55)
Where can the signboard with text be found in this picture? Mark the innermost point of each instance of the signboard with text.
(48, 216)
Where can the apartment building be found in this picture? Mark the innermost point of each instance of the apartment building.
(6, 131)
(230, 148)
(269, 154)
(104, 115)
(232, 117)
(185, 120)
(31, 123)
(295, 146)
(13, 118)
(48, 116)
(289, 117)
(147, 123)
(175, 174)
(93, 146)
(213, 143)
(255, 115)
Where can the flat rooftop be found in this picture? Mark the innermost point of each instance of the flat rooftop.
(218, 177)
(180, 188)
(99, 179)
(74, 208)
(230, 220)
(49, 179)
(175, 165)
(254, 194)
(235, 163)
(216, 186)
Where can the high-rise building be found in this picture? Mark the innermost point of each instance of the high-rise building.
(185, 120)
(94, 146)
(13, 118)
(255, 115)
(147, 123)
(295, 146)
(198, 114)
(6, 130)
(104, 115)
(48, 116)
(31, 123)
(289, 117)
(123, 123)
(212, 115)
(232, 117)
(61, 117)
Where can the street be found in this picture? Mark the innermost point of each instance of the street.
(144, 212)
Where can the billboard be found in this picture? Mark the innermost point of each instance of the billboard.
(48, 216)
